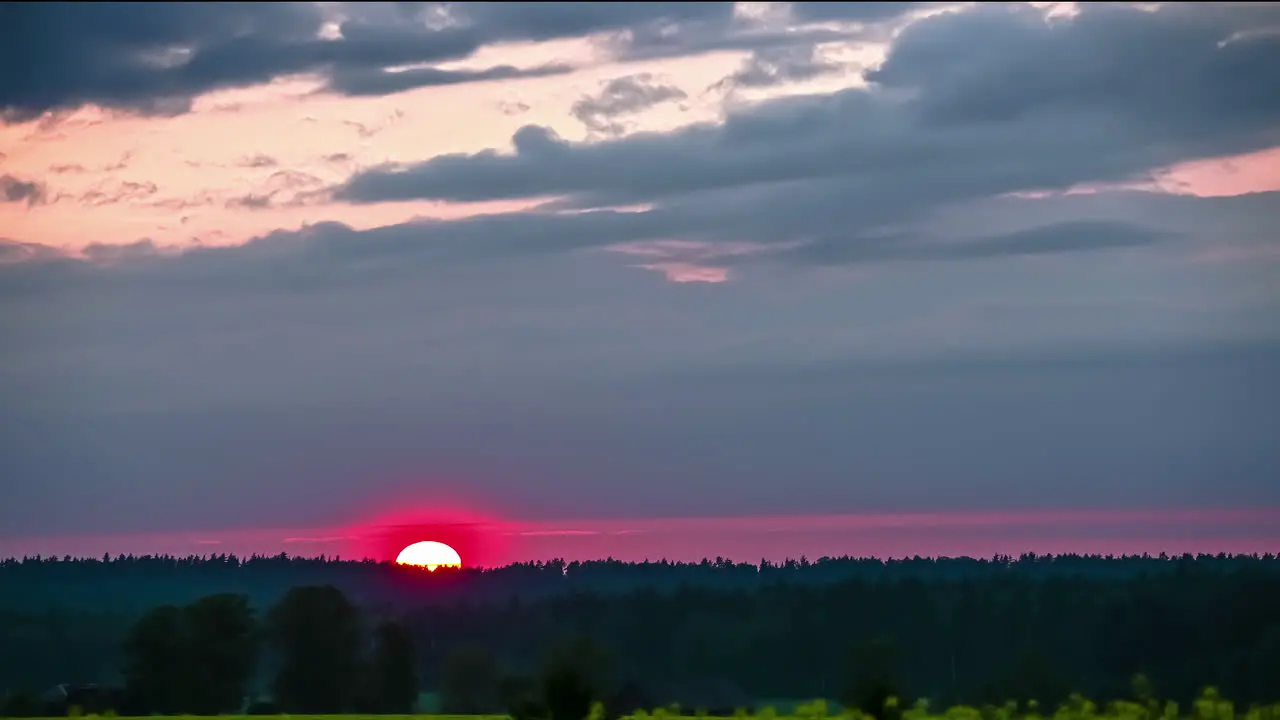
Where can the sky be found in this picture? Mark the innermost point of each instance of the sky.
(640, 279)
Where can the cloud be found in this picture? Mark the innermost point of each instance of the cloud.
(824, 289)
(258, 160)
(12, 251)
(14, 190)
(861, 12)
(1180, 66)
(381, 82)
(1067, 237)
(107, 254)
(281, 188)
(716, 235)
(733, 35)
(712, 237)
(725, 29)
(1097, 106)
(620, 97)
(523, 21)
(514, 108)
(217, 383)
(111, 193)
(778, 66)
(157, 58)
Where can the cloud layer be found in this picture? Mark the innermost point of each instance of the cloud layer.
(1029, 104)
(157, 57)
(797, 281)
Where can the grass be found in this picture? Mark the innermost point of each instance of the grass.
(1208, 707)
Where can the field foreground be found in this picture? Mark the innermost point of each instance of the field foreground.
(1208, 707)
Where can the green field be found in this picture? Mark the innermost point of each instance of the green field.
(1208, 707)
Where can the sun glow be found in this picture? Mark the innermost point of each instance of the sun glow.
(430, 555)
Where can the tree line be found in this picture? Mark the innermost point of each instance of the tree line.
(719, 638)
(201, 659)
(132, 584)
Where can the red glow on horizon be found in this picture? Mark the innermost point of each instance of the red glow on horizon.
(475, 535)
(485, 541)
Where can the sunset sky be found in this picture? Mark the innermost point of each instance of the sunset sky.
(641, 279)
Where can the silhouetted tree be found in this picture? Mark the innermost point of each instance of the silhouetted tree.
(871, 680)
(392, 670)
(1030, 676)
(627, 699)
(521, 697)
(157, 675)
(196, 660)
(317, 632)
(22, 704)
(223, 641)
(566, 691)
(470, 684)
(588, 659)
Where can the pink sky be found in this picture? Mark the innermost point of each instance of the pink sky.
(749, 539)
(115, 179)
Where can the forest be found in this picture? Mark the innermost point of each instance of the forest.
(715, 635)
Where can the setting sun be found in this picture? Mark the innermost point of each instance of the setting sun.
(430, 555)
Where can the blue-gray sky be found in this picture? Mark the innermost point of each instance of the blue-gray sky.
(597, 260)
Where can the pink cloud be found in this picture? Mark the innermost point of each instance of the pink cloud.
(690, 273)
(1226, 254)
(542, 533)
(317, 540)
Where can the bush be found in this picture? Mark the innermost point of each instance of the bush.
(567, 693)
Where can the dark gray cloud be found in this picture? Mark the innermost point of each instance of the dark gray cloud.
(862, 12)
(1066, 237)
(778, 66)
(376, 81)
(552, 20)
(13, 190)
(692, 39)
(908, 142)
(620, 97)
(140, 250)
(1182, 70)
(155, 57)
(207, 390)
(724, 30)
(1105, 432)
(61, 55)
(203, 389)
(327, 253)
(12, 251)
(807, 226)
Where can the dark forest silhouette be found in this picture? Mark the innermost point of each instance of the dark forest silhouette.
(199, 635)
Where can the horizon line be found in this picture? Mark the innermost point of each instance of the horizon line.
(885, 519)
